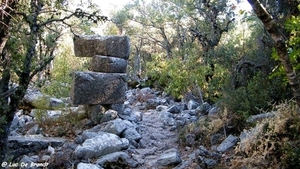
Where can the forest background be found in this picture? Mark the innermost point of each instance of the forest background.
(246, 62)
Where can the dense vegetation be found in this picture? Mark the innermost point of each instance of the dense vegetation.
(221, 53)
(246, 62)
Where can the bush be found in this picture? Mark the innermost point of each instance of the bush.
(65, 63)
(65, 125)
(205, 127)
(277, 143)
(176, 76)
(259, 94)
(41, 105)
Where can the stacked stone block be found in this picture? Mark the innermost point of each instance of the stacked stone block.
(106, 81)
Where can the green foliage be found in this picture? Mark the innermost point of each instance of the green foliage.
(256, 91)
(292, 26)
(176, 76)
(65, 64)
(257, 95)
(3, 122)
(41, 105)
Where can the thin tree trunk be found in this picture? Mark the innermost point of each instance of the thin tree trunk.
(279, 38)
(5, 111)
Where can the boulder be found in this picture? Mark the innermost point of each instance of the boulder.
(209, 163)
(116, 126)
(116, 160)
(146, 152)
(108, 64)
(258, 117)
(54, 114)
(98, 88)
(91, 45)
(36, 99)
(203, 109)
(130, 115)
(228, 143)
(56, 103)
(103, 143)
(170, 157)
(20, 122)
(206, 159)
(202, 151)
(20, 145)
(32, 96)
(131, 134)
(88, 134)
(252, 135)
(109, 115)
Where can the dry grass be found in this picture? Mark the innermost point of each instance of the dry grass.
(63, 126)
(275, 143)
(143, 97)
(204, 128)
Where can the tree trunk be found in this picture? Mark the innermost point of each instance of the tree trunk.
(279, 38)
(24, 77)
(5, 111)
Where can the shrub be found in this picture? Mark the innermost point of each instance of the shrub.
(176, 76)
(205, 127)
(65, 63)
(41, 106)
(256, 96)
(64, 125)
(277, 143)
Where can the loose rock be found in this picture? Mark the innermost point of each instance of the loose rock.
(228, 143)
(170, 157)
(102, 144)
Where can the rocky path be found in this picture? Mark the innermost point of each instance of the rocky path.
(142, 134)
(159, 146)
(156, 139)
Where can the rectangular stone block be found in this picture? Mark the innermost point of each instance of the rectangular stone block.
(108, 64)
(91, 45)
(90, 88)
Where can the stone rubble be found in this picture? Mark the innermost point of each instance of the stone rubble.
(135, 138)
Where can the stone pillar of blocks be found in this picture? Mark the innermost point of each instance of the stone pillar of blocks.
(106, 83)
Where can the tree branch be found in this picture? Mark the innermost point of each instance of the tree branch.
(279, 38)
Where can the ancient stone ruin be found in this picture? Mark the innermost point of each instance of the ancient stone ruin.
(106, 82)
